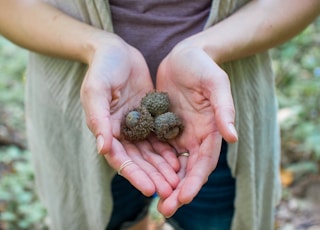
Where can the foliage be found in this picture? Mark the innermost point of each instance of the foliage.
(12, 68)
(297, 68)
(19, 205)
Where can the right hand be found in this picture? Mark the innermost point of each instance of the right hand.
(200, 95)
(116, 80)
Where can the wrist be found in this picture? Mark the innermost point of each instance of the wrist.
(208, 43)
(100, 41)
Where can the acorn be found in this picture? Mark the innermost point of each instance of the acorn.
(132, 119)
(167, 126)
(137, 124)
(156, 103)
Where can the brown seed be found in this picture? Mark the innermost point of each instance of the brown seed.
(167, 126)
(137, 124)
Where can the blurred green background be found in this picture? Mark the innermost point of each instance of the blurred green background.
(297, 68)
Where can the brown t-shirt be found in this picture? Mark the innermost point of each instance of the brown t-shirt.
(154, 27)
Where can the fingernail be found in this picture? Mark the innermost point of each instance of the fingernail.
(232, 129)
(100, 143)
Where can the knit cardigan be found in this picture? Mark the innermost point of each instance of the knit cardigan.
(73, 181)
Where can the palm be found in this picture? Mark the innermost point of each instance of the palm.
(200, 94)
(190, 87)
(116, 81)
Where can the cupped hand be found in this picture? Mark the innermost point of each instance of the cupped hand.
(200, 94)
(116, 80)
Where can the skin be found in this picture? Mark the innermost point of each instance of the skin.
(199, 89)
(116, 80)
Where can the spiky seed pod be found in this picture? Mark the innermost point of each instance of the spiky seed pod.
(137, 124)
(167, 126)
(156, 102)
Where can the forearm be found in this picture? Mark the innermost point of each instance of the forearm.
(42, 28)
(256, 27)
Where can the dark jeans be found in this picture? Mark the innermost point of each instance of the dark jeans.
(211, 209)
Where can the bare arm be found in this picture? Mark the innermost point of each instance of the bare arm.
(116, 79)
(200, 90)
(39, 27)
(256, 27)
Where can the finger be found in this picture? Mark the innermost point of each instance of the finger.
(132, 172)
(160, 164)
(96, 105)
(185, 144)
(201, 168)
(183, 169)
(163, 188)
(166, 151)
(218, 91)
(170, 205)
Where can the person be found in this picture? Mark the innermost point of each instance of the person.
(91, 61)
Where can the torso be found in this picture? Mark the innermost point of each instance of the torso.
(154, 27)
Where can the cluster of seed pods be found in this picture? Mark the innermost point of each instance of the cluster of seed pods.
(151, 116)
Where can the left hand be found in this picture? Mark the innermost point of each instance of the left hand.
(116, 80)
(200, 95)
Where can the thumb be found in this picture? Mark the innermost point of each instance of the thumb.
(220, 97)
(96, 105)
(100, 126)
